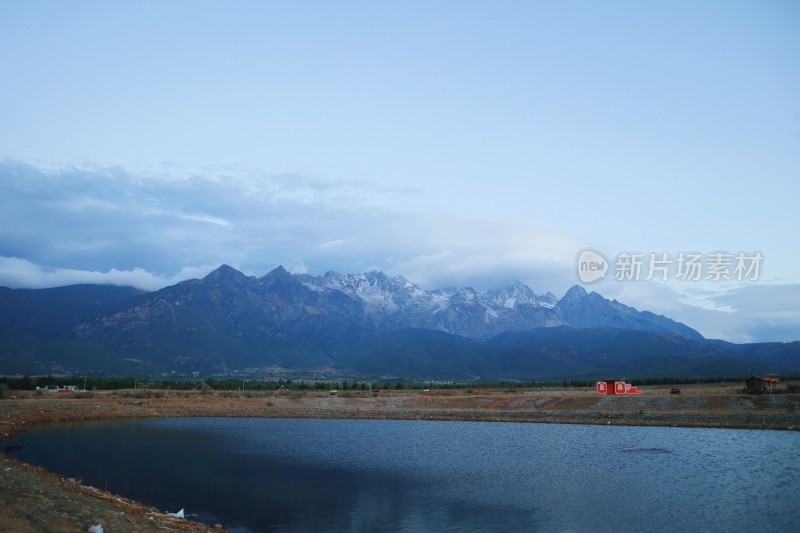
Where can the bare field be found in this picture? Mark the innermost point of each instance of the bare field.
(36, 500)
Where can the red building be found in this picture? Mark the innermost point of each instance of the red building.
(759, 385)
(611, 386)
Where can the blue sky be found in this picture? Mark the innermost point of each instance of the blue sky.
(455, 143)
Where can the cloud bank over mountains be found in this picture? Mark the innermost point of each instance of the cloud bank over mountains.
(108, 225)
(456, 147)
(148, 229)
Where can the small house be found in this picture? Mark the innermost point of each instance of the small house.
(611, 386)
(760, 385)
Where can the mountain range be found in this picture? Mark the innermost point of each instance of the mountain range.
(366, 325)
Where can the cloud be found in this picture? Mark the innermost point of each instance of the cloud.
(107, 220)
(16, 272)
(98, 219)
(328, 244)
(70, 225)
(754, 312)
(489, 254)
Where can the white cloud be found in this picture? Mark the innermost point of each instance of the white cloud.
(334, 242)
(100, 219)
(298, 268)
(105, 221)
(755, 312)
(101, 225)
(16, 272)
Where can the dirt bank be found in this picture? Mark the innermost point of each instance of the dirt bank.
(36, 500)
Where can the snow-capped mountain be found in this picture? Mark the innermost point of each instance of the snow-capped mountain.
(519, 294)
(369, 324)
(394, 303)
(255, 308)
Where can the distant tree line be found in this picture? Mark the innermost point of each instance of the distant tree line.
(98, 383)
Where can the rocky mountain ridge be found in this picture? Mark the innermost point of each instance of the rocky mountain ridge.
(362, 324)
(380, 303)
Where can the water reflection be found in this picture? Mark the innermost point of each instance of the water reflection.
(358, 475)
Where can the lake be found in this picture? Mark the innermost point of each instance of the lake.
(392, 475)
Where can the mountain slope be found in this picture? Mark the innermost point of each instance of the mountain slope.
(226, 320)
(364, 324)
(47, 313)
(590, 310)
(591, 353)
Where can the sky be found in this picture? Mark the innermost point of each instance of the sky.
(455, 143)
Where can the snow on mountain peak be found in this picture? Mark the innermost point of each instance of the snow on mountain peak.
(389, 302)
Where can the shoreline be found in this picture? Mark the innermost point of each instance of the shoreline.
(37, 500)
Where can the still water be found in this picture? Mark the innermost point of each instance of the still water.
(383, 475)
